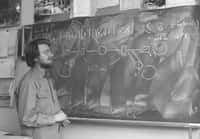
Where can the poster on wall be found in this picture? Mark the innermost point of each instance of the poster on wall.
(10, 11)
(153, 4)
(136, 66)
(8, 53)
(52, 10)
(8, 42)
(7, 67)
(8, 50)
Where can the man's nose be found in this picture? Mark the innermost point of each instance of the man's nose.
(51, 54)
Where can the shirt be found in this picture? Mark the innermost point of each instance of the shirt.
(37, 102)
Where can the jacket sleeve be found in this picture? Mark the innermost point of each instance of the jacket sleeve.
(28, 102)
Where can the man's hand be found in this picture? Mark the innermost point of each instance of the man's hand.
(61, 116)
(65, 123)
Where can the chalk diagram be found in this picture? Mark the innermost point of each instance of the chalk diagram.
(147, 72)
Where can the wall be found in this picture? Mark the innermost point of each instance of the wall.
(81, 8)
(8, 116)
(98, 4)
(27, 10)
(173, 3)
(130, 4)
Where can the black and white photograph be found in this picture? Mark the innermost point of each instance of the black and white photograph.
(99, 69)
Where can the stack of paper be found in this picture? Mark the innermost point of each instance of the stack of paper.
(4, 39)
(7, 67)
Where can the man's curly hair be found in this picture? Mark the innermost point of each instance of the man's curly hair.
(32, 52)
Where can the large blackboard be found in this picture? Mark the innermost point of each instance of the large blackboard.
(136, 65)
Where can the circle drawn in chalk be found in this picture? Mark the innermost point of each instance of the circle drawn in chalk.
(147, 50)
(65, 70)
(148, 28)
(160, 27)
(148, 72)
(102, 50)
(153, 28)
(160, 49)
(139, 66)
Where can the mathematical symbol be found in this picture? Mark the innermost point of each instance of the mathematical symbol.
(82, 52)
(124, 50)
(102, 50)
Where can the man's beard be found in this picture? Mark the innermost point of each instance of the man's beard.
(46, 66)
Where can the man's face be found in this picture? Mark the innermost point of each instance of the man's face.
(46, 56)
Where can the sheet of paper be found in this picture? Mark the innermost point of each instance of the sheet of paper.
(7, 67)
(5, 85)
(12, 43)
(4, 39)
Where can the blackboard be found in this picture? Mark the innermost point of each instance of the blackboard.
(135, 65)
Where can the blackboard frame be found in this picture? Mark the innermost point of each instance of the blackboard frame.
(137, 122)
